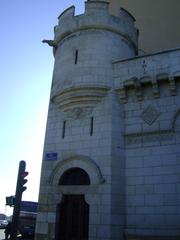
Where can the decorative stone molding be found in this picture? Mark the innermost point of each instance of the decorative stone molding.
(80, 161)
(140, 83)
(148, 133)
(79, 112)
(155, 69)
(152, 136)
(150, 114)
(165, 131)
(79, 101)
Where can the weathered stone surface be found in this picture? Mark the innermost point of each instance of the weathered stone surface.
(116, 116)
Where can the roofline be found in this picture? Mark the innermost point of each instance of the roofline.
(147, 55)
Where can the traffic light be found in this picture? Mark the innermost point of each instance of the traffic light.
(20, 188)
(23, 181)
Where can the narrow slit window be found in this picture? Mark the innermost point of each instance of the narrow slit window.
(91, 126)
(63, 129)
(76, 57)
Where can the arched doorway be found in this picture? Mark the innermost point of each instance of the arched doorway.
(74, 176)
(73, 212)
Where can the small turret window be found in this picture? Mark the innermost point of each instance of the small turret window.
(76, 57)
(63, 129)
(91, 126)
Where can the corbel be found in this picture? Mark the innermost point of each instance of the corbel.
(122, 94)
(138, 89)
(129, 82)
(155, 88)
(172, 85)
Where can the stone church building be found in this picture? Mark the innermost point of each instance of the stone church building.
(111, 163)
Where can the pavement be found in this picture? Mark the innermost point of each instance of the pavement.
(2, 236)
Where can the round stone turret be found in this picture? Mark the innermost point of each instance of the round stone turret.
(84, 48)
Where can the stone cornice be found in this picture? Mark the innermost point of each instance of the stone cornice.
(147, 55)
(148, 133)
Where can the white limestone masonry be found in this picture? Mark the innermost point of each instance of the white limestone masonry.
(115, 115)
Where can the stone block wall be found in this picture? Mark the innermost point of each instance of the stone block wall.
(152, 143)
(80, 146)
(152, 169)
(116, 120)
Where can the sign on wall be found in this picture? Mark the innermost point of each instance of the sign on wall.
(51, 156)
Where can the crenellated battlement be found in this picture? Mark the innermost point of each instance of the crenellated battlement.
(69, 12)
(96, 16)
(150, 71)
(96, 6)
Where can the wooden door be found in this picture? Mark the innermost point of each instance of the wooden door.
(73, 218)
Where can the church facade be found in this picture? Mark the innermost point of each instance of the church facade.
(111, 163)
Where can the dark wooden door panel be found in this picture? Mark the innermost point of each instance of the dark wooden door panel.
(73, 218)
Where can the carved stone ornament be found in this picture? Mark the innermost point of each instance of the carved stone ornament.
(78, 102)
(150, 115)
(79, 112)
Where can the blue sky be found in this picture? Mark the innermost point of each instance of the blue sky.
(26, 74)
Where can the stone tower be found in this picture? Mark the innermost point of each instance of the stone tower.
(83, 163)
(111, 160)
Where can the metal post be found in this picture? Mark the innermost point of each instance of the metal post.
(17, 205)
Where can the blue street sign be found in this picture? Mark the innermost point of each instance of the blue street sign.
(51, 156)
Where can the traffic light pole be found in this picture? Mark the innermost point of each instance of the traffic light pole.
(18, 196)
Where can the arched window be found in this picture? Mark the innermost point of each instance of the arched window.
(74, 176)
